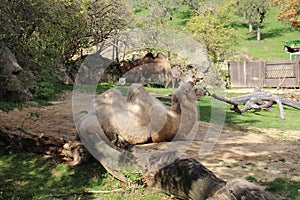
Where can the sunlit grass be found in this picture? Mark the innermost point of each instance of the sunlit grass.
(29, 176)
(251, 118)
(273, 33)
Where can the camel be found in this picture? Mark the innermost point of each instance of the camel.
(141, 118)
(147, 67)
(165, 169)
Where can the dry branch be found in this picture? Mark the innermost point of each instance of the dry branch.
(258, 100)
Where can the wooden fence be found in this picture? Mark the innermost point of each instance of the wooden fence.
(264, 74)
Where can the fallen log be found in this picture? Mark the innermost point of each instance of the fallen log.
(168, 171)
(257, 100)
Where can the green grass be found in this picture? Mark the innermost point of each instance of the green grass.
(259, 119)
(284, 187)
(280, 186)
(38, 100)
(29, 176)
(251, 118)
(273, 33)
(9, 106)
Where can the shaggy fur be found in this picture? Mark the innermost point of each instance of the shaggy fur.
(142, 118)
(148, 66)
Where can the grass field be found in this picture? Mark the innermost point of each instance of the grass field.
(252, 118)
(273, 33)
(30, 176)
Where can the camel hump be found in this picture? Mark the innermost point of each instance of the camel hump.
(161, 55)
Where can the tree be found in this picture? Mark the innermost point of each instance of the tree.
(289, 11)
(48, 33)
(212, 26)
(254, 11)
(61, 26)
(45, 34)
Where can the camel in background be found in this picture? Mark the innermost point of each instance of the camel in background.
(147, 67)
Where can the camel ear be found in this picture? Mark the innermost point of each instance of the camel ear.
(192, 84)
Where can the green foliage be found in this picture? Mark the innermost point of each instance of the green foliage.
(184, 12)
(134, 176)
(34, 114)
(10, 106)
(254, 10)
(52, 29)
(292, 43)
(45, 35)
(46, 91)
(213, 27)
(251, 179)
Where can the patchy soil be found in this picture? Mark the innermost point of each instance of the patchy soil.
(265, 154)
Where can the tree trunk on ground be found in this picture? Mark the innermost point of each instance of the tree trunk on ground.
(258, 100)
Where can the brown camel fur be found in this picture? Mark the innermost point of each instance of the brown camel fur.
(148, 66)
(142, 118)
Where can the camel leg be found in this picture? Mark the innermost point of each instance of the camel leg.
(173, 83)
(121, 142)
(167, 81)
(148, 82)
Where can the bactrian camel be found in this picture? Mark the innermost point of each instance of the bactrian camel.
(149, 66)
(141, 118)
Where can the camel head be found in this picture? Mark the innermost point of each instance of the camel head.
(190, 91)
(187, 94)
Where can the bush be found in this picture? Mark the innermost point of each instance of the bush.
(46, 91)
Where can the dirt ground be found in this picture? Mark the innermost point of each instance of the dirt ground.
(265, 154)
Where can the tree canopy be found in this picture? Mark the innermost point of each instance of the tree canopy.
(289, 11)
(254, 11)
(213, 26)
(58, 29)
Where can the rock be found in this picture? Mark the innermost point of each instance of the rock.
(13, 84)
(95, 68)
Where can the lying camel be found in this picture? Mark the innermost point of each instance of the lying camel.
(141, 118)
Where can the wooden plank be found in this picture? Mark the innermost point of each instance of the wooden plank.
(281, 74)
(264, 74)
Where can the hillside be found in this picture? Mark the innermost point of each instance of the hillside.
(273, 34)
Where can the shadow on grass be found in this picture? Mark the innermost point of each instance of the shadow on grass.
(239, 25)
(268, 34)
(29, 176)
(232, 119)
